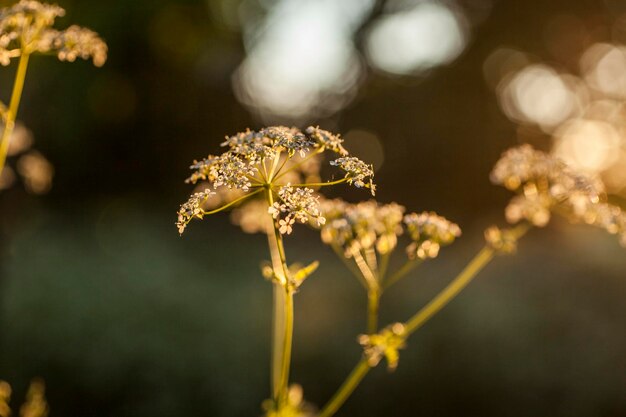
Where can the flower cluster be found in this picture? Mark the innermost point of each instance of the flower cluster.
(502, 241)
(429, 232)
(358, 172)
(384, 344)
(362, 226)
(545, 185)
(192, 208)
(296, 204)
(279, 160)
(26, 28)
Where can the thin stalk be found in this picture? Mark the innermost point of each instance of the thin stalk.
(452, 290)
(349, 265)
(14, 104)
(278, 319)
(296, 165)
(320, 184)
(346, 389)
(287, 325)
(401, 273)
(287, 345)
(232, 203)
(384, 264)
(441, 300)
(373, 303)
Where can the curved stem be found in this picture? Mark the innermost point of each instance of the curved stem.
(232, 203)
(320, 184)
(14, 105)
(353, 269)
(401, 273)
(452, 290)
(296, 165)
(346, 389)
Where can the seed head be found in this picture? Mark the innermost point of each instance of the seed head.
(272, 159)
(26, 28)
(544, 185)
(429, 233)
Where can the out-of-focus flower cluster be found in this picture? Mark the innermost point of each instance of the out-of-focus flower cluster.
(429, 233)
(284, 161)
(35, 404)
(369, 224)
(546, 185)
(26, 28)
(25, 163)
(362, 226)
(385, 344)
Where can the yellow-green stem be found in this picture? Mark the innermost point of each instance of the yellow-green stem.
(401, 273)
(287, 343)
(373, 302)
(346, 389)
(278, 318)
(447, 294)
(355, 271)
(14, 105)
(280, 388)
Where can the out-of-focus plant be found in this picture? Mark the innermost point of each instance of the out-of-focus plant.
(35, 404)
(26, 29)
(281, 166)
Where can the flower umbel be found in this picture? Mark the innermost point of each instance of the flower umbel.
(26, 28)
(429, 233)
(296, 204)
(283, 162)
(544, 185)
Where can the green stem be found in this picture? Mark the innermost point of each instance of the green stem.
(320, 184)
(355, 271)
(14, 105)
(401, 273)
(346, 389)
(287, 345)
(452, 290)
(373, 303)
(296, 165)
(232, 203)
(280, 389)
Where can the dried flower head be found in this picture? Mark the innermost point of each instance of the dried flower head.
(296, 204)
(385, 344)
(283, 163)
(544, 185)
(26, 28)
(357, 172)
(429, 233)
(362, 226)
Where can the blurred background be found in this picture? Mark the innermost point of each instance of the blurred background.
(122, 317)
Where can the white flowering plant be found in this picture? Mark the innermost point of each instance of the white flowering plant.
(26, 29)
(271, 180)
